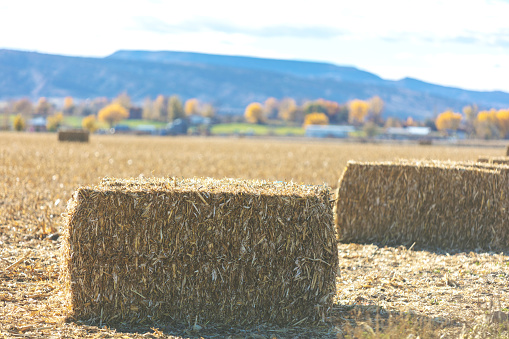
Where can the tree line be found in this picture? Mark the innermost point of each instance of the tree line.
(111, 112)
(365, 114)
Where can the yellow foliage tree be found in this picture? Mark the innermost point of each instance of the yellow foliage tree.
(316, 118)
(289, 111)
(68, 105)
(376, 108)
(54, 121)
(448, 120)
(208, 111)
(503, 122)
(486, 124)
(254, 113)
(19, 123)
(271, 107)
(89, 123)
(113, 113)
(192, 107)
(43, 107)
(124, 99)
(358, 111)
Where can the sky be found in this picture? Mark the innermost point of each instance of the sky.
(460, 43)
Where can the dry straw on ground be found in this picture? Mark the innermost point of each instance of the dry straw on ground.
(221, 251)
(432, 204)
(79, 135)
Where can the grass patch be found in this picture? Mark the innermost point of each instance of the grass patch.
(253, 129)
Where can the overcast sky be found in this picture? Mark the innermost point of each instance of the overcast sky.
(461, 43)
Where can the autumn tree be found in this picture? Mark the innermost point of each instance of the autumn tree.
(448, 120)
(53, 122)
(254, 113)
(69, 107)
(392, 122)
(376, 108)
(192, 107)
(316, 106)
(485, 124)
(208, 111)
(148, 110)
(124, 99)
(503, 122)
(175, 108)
(23, 106)
(289, 111)
(316, 118)
(271, 108)
(113, 113)
(358, 111)
(410, 122)
(160, 108)
(43, 107)
(19, 123)
(470, 113)
(89, 123)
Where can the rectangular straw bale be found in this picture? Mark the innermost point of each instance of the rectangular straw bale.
(434, 204)
(494, 160)
(222, 251)
(79, 135)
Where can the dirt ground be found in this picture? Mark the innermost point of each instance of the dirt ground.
(381, 292)
(441, 292)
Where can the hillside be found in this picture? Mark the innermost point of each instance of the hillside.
(229, 82)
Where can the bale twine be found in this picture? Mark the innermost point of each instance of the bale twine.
(222, 251)
(433, 204)
(79, 135)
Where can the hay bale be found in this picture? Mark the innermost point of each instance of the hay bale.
(222, 251)
(494, 160)
(434, 204)
(79, 135)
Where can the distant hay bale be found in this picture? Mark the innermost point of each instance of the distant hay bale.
(79, 135)
(494, 160)
(221, 251)
(434, 204)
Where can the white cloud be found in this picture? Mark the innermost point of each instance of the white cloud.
(370, 34)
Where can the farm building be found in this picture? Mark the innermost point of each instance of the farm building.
(328, 131)
(37, 124)
(412, 132)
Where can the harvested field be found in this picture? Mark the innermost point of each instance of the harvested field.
(420, 292)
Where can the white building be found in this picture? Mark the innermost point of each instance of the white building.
(328, 131)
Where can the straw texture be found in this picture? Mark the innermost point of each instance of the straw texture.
(434, 204)
(223, 251)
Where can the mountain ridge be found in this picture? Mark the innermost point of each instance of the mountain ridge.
(229, 82)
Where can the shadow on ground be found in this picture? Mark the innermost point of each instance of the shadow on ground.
(344, 321)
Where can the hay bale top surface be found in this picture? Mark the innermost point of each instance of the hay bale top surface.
(210, 185)
(453, 165)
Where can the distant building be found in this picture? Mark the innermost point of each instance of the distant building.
(405, 133)
(328, 131)
(37, 124)
(135, 113)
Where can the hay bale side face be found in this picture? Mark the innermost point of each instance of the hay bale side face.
(230, 252)
(78, 135)
(431, 204)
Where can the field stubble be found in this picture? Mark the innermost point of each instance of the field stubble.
(430, 293)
